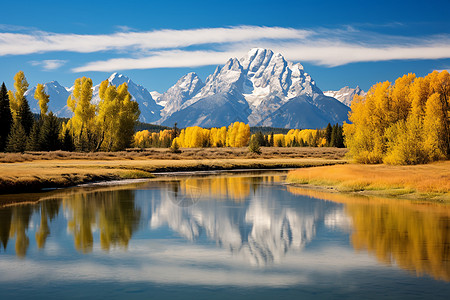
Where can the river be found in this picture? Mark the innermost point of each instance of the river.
(237, 235)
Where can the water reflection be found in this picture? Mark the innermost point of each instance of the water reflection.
(255, 222)
(187, 191)
(49, 211)
(112, 213)
(415, 237)
(259, 230)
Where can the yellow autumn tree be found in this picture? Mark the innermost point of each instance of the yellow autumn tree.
(404, 123)
(116, 117)
(243, 135)
(42, 98)
(16, 98)
(83, 121)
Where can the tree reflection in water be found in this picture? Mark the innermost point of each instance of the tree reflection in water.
(113, 212)
(49, 210)
(416, 237)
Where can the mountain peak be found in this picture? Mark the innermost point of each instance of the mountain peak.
(345, 94)
(117, 79)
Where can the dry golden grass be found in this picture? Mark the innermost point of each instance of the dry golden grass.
(36, 174)
(187, 153)
(427, 179)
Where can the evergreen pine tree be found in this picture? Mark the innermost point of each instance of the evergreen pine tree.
(254, 146)
(271, 139)
(17, 138)
(260, 138)
(175, 132)
(5, 117)
(49, 135)
(340, 137)
(25, 116)
(328, 132)
(333, 138)
(67, 141)
(33, 142)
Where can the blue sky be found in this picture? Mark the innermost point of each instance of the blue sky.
(156, 42)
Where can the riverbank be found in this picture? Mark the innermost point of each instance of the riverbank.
(35, 175)
(425, 182)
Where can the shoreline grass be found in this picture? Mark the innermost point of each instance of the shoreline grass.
(28, 176)
(187, 153)
(430, 181)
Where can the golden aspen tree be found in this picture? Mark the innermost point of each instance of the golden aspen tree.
(213, 137)
(107, 117)
(181, 139)
(42, 98)
(83, 119)
(433, 129)
(404, 123)
(401, 99)
(16, 98)
(243, 135)
(116, 118)
(441, 85)
(222, 136)
(128, 116)
(196, 137)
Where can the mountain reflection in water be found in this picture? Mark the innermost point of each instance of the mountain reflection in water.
(261, 230)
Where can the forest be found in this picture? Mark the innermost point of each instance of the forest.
(401, 123)
(112, 125)
(107, 126)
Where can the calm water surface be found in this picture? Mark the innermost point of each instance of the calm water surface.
(233, 235)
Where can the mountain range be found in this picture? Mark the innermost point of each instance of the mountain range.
(262, 89)
(345, 94)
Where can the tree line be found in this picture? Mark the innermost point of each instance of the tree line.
(238, 134)
(108, 125)
(406, 122)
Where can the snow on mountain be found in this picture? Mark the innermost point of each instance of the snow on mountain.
(58, 99)
(261, 88)
(150, 110)
(156, 95)
(256, 89)
(185, 88)
(345, 94)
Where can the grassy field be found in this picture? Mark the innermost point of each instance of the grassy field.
(431, 181)
(187, 153)
(34, 171)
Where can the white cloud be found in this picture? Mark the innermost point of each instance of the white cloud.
(162, 59)
(210, 46)
(39, 42)
(322, 54)
(50, 64)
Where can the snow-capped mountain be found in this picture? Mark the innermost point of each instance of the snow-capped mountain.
(345, 95)
(185, 88)
(150, 110)
(262, 88)
(58, 99)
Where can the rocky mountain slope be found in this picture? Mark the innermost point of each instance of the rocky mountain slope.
(345, 95)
